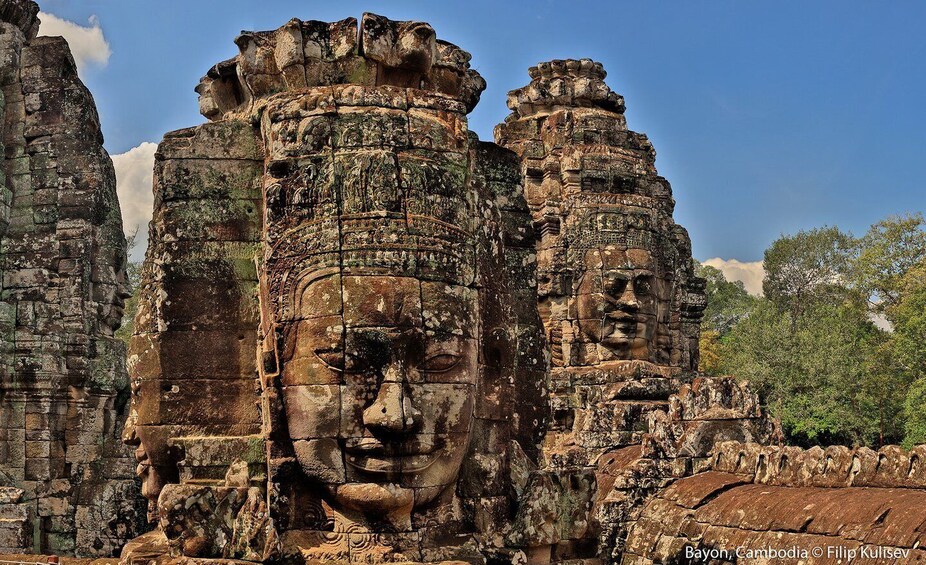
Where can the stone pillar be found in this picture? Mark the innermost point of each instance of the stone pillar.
(62, 254)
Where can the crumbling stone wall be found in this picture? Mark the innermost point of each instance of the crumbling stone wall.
(781, 497)
(680, 442)
(63, 384)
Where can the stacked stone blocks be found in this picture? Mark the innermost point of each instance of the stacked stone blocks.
(62, 256)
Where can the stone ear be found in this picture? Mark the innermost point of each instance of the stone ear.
(269, 357)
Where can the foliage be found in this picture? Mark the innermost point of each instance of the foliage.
(908, 316)
(727, 301)
(808, 267)
(812, 371)
(908, 342)
(890, 249)
(810, 346)
(709, 345)
(915, 425)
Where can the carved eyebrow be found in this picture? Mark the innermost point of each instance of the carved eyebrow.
(378, 333)
(452, 346)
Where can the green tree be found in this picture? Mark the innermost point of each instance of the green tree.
(727, 301)
(809, 344)
(808, 267)
(812, 372)
(915, 425)
(908, 346)
(890, 249)
(710, 362)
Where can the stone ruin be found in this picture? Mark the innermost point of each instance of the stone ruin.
(786, 497)
(366, 336)
(66, 480)
(374, 266)
(384, 266)
(615, 276)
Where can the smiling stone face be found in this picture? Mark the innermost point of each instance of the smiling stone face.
(378, 399)
(382, 266)
(619, 304)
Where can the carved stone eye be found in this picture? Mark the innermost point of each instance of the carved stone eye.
(643, 286)
(615, 286)
(439, 363)
(337, 360)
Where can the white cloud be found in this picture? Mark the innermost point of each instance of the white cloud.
(87, 42)
(134, 173)
(751, 273)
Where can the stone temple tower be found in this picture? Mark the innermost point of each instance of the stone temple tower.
(619, 300)
(617, 293)
(67, 478)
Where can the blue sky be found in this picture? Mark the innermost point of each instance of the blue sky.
(767, 117)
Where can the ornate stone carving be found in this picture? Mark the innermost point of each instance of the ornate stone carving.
(399, 349)
(618, 298)
(350, 307)
(615, 272)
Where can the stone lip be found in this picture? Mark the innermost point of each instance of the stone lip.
(22, 14)
(375, 51)
(572, 83)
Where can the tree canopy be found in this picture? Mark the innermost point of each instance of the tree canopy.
(837, 345)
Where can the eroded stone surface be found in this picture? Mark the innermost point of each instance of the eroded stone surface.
(62, 258)
(722, 510)
(367, 337)
(378, 260)
(620, 304)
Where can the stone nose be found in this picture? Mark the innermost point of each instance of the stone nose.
(393, 410)
(129, 435)
(628, 298)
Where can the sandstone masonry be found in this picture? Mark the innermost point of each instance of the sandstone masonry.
(63, 385)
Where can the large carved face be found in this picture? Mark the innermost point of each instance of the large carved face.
(379, 376)
(618, 301)
(152, 455)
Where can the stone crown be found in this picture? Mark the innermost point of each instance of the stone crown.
(565, 83)
(22, 14)
(571, 68)
(307, 54)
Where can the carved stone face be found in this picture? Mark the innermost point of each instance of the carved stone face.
(151, 452)
(618, 302)
(379, 376)
(111, 287)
